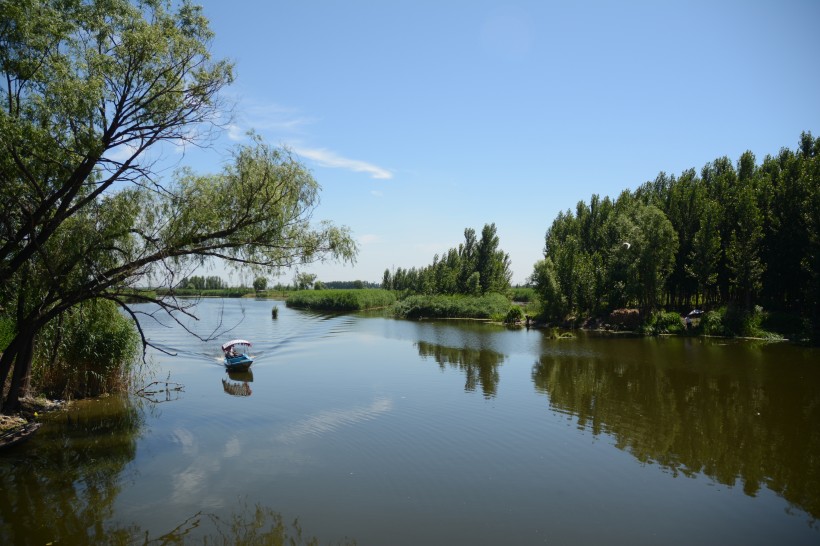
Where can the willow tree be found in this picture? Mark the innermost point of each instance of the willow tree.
(88, 87)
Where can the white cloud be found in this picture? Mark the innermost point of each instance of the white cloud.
(328, 158)
(333, 420)
(266, 118)
(235, 132)
(273, 120)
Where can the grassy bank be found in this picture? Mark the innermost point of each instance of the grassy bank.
(213, 293)
(489, 306)
(341, 300)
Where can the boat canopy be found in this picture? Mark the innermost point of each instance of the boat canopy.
(233, 342)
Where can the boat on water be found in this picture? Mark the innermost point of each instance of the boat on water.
(236, 355)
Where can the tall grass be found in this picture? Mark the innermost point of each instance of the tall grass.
(489, 306)
(523, 294)
(341, 300)
(88, 351)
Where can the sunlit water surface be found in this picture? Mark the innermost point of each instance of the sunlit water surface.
(369, 430)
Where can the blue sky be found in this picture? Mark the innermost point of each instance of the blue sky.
(420, 119)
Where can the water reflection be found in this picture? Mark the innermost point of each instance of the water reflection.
(66, 479)
(480, 366)
(65, 483)
(237, 383)
(734, 420)
(246, 526)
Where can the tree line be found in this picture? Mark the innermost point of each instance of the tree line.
(741, 234)
(198, 282)
(477, 266)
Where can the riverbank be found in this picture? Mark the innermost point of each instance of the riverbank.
(30, 409)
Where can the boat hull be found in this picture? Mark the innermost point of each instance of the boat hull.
(239, 363)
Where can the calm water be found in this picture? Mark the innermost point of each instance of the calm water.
(369, 430)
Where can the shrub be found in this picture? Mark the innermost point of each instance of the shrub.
(663, 322)
(514, 315)
(625, 319)
(712, 323)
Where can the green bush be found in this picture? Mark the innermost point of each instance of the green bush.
(666, 322)
(712, 323)
(514, 315)
(87, 351)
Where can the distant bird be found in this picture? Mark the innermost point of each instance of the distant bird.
(626, 245)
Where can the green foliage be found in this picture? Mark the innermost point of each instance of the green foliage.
(476, 267)
(458, 306)
(731, 236)
(341, 300)
(514, 315)
(86, 351)
(237, 292)
(260, 283)
(743, 322)
(197, 282)
(712, 323)
(303, 281)
(7, 331)
(663, 322)
(523, 294)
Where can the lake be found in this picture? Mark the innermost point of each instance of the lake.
(363, 429)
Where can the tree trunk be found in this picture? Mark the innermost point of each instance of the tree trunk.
(6, 359)
(20, 379)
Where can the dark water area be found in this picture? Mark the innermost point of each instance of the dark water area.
(369, 430)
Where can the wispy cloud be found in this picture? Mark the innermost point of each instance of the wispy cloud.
(369, 238)
(236, 133)
(328, 158)
(284, 124)
(269, 118)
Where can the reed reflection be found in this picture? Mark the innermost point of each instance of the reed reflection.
(480, 366)
(246, 526)
(61, 485)
(732, 419)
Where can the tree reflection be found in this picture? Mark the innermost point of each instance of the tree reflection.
(480, 366)
(62, 485)
(247, 526)
(729, 423)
